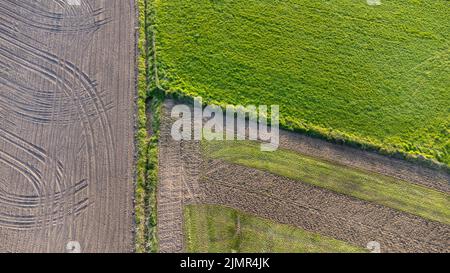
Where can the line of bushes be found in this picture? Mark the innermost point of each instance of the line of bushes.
(149, 100)
(332, 136)
(141, 132)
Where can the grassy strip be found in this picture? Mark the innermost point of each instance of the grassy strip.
(152, 177)
(371, 77)
(149, 102)
(154, 102)
(384, 190)
(141, 135)
(218, 229)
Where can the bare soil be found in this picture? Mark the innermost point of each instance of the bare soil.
(179, 170)
(186, 177)
(67, 81)
(319, 210)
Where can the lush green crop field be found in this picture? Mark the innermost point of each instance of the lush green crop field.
(217, 229)
(375, 75)
(380, 189)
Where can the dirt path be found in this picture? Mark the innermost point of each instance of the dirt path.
(179, 169)
(184, 173)
(67, 82)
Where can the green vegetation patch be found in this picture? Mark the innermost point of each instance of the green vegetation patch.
(141, 135)
(148, 102)
(384, 190)
(217, 229)
(375, 76)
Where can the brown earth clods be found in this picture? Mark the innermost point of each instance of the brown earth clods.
(186, 178)
(67, 91)
(179, 170)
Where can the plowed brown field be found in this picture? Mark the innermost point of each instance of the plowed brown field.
(67, 90)
(186, 177)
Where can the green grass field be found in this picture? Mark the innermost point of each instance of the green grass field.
(375, 75)
(216, 229)
(384, 190)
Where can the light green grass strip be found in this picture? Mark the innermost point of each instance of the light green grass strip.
(218, 229)
(384, 190)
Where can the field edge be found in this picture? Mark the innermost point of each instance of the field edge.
(174, 87)
(307, 241)
(149, 101)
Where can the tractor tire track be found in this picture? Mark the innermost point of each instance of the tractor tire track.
(58, 23)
